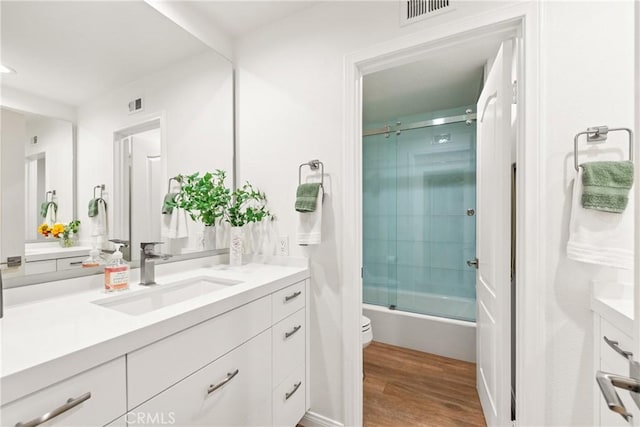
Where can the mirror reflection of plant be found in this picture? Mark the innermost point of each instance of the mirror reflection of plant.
(203, 197)
(247, 205)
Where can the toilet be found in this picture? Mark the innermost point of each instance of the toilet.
(367, 332)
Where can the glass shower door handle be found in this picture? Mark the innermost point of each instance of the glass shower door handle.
(473, 263)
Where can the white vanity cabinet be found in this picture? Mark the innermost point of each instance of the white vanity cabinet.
(246, 367)
(234, 390)
(92, 398)
(607, 359)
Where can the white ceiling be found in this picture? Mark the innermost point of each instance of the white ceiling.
(70, 51)
(448, 78)
(241, 17)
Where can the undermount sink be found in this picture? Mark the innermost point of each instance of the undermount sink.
(162, 295)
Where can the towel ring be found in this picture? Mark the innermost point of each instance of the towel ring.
(101, 187)
(46, 196)
(314, 165)
(175, 178)
(599, 134)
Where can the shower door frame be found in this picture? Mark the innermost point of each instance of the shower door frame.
(521, 21)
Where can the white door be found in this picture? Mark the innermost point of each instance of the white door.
(146, 189)
(493, 241)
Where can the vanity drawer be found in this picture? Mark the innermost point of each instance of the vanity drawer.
(288, 300)
(157, 366)
(608, 355)
(243, 399)
(288, 345)
(70, 263)
(105, 383)
(39, 267)
(289, 401)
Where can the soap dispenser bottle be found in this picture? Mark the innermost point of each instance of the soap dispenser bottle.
(116, 273)
(94, 260)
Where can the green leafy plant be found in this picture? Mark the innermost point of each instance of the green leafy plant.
(204, 197)
(246, 205)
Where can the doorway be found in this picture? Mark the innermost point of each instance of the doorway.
(509, 23)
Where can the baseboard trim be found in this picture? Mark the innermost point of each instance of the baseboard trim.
(313, 419)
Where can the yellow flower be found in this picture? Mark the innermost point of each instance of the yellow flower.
(44, 229)
(57, 229)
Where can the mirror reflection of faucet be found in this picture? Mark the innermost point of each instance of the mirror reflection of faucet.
(147, 264)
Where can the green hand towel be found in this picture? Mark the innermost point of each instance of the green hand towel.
(93, 208)
(44, 208)
(606, 185)
(307, 197)
(167, 206)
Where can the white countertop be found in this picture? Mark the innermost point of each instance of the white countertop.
(614, 302)
(47, 250)
(46, 341)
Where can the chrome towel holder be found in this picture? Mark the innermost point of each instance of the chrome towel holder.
(101, 187)
(314, 165)
(599, 134)
(176, 179)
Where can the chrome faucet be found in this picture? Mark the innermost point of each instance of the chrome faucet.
(147, 264)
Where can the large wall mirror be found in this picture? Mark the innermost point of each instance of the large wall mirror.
(105, 102)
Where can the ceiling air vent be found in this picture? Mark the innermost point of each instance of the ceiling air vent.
(416, 10)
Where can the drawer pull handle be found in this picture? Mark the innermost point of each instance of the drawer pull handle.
(295, 329)
(230, 376)
(608, 383)
(71, 403)
(292, 296)
(292, 392)
(75, 263)
(616, 346)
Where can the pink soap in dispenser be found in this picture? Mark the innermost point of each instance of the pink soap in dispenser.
(116, 273)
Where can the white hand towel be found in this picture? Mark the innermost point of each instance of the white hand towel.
(310, 225)
(598, 237)
(99, 226)
(174, 225)
(52, 215)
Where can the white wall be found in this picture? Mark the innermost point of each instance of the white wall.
(194, 98)
(12, 139)
(19, 100)
(290, 107)
(55, 140)
(577, 93)
(290, 110)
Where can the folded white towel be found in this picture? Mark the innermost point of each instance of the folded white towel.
(598, 237)
(99, 227)
(174, 225)
(310, 225)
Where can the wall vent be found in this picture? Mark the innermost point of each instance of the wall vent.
(136, 106)
(416, 10)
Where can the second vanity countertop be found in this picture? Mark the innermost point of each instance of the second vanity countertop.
(52, 339)
(614, 302)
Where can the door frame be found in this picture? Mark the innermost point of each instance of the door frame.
(523, 20)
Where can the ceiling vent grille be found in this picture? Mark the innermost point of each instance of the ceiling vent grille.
(416, 10)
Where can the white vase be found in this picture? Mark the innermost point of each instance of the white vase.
(235, 247)
(209, 238)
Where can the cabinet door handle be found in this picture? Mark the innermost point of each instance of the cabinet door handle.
(230, 376)
(616, 346)
(608, 383)
(292, 296)
(70, 404)
(292, 392)
(293, 331)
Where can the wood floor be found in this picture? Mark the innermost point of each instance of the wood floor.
(409, 388)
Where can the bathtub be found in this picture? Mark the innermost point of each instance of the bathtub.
(431, 334)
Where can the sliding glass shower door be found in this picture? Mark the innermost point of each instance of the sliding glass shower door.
(419, 220)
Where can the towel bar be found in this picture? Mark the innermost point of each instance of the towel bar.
(314, 165)
(101, 187)
(176, 179)
(599, 134)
